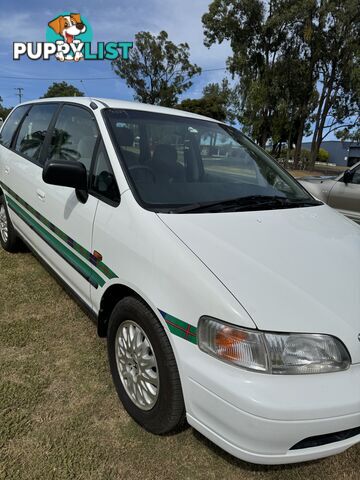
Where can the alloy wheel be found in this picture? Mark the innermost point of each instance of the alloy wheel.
(137, 365)
(4, 232)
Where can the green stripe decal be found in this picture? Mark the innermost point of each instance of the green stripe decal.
(181, 329)
(176, 326)
(64, 237)
(85, 270)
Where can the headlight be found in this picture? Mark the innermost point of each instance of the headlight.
(293, 353)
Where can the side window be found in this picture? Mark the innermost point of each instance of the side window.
(103, 179)
(33, 130)
(11, 125)
(74, 136)
(356, 176)
(128, 138)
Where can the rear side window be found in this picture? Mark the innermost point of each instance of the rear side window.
(33, 130)
(74, 136)
(11, 125)
(103, 179)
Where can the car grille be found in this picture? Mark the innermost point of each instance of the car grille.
(320, 440)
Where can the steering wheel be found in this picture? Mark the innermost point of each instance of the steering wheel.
(144, 168)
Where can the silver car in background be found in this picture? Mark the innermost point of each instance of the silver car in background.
(342, 192)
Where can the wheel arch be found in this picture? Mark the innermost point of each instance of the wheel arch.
(110, 298)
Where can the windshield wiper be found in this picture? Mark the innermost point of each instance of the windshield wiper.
(250, 202)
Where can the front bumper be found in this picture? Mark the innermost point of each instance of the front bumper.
(261, 440)
(259, 418)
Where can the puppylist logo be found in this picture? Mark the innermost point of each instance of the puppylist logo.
(68, 38)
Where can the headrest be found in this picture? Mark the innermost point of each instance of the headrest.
(165, 156)
(124, 136)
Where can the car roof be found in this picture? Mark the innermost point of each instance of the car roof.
(122, 104)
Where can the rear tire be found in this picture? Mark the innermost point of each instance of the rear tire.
(8, 238)
(144, 368)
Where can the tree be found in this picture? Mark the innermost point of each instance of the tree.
(338, 66)
(4, 112)
(282, 51)
(264, 37)
(214, 103)
(352, 135)
(62, 89)
(224, 95)
(203, 106)
(157, 69)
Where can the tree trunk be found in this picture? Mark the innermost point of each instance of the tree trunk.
(276, 148)
(326, 100)
(315, 145)
(289, 142)
(263, 138)
(299, 137)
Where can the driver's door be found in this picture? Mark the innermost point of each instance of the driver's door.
(68, 221)
(345, 197)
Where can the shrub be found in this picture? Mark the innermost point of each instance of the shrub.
(323, 155)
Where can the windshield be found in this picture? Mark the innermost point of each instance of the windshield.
(180, 164)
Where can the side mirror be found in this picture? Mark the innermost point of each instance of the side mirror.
(348, 174)
(67, 173)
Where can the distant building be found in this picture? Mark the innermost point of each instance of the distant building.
(344, 154)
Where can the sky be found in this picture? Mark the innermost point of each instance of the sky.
(111, 20)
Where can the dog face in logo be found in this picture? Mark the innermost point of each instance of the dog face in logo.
(68, 26)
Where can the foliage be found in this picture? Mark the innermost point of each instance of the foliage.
(272, 87)
(348, 134)
(338, 68)
(62, 89)
(303, 158)
(214, 103)
(203, 106)
(282, 51)
(305, 154)
(4, 112)
(323, 155)
(157, 69)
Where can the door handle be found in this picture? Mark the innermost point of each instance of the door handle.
(7, 170)
(41, 195)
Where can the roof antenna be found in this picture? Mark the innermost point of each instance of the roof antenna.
(93, 105)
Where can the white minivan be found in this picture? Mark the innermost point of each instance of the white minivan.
(230, 297)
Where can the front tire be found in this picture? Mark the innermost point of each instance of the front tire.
(8, 238)
(143, 368)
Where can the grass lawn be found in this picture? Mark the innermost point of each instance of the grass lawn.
(60, 417)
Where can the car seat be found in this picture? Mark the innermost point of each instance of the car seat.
(165, 165)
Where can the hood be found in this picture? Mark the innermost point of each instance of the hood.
(321, 179)
(319, 188)
(293, 270)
